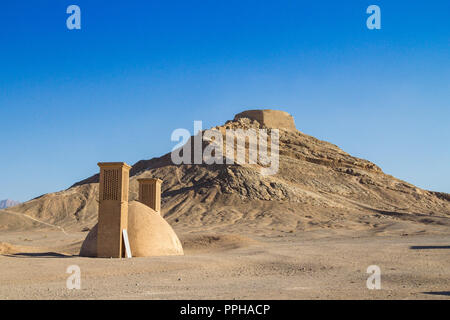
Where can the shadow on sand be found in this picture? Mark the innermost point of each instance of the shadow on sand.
(438, 293)
(40, 255)
(428, 247)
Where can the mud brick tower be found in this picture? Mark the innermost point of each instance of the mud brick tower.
(113, 208)
(150, 193)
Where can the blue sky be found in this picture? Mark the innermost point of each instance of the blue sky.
(116, 89)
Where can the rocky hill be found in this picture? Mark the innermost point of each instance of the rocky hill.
(318, 185)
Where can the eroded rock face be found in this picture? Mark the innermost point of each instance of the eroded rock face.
(269, 118)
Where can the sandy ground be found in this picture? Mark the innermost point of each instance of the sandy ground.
(321, 264)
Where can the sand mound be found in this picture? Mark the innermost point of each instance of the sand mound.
(197, 243)
(7, 248)
(148, 232)
(318, 185)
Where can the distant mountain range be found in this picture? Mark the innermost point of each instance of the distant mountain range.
(8, 203)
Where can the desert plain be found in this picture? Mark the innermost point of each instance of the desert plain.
(322, 264)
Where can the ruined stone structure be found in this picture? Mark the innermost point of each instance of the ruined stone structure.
(269, 118)
(112, 208)
(150, 193)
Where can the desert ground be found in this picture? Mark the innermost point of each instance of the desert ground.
(316, 264)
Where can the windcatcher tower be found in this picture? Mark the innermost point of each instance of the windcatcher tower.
(113, 208)
(150, 193)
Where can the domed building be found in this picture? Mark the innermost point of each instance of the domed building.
(138, 224)
(149, 234)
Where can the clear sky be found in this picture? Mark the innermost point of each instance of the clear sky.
(116, 89)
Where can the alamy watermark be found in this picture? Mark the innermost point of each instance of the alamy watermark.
(242, 147)
(374, 280)
(74, 20)
(74, 280)
(374, 20)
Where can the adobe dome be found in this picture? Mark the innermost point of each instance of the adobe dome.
(149, 234)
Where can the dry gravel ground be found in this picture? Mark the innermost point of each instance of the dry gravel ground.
(320, 264)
